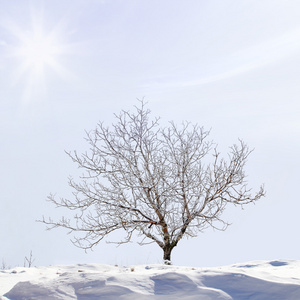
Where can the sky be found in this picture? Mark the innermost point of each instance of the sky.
(230, 66)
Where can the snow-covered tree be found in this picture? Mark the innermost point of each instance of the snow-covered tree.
(161, 183)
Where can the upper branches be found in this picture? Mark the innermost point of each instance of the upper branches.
(163, 183)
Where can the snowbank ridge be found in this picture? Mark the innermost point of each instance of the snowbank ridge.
(260, 280)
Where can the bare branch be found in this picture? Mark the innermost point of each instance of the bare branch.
(161, 183)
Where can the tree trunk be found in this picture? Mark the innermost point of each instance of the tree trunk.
(167, 254)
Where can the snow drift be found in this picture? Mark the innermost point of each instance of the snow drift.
(258, 280)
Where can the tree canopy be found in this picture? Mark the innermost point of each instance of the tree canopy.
(163, 183)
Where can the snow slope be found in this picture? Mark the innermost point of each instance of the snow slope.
(258, 280)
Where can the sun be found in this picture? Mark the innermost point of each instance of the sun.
(37, 50)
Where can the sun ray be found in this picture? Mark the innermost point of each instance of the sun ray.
(37, 50)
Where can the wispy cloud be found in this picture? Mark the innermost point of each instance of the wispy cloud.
(3, 43)
(242, 61)
(256, 57)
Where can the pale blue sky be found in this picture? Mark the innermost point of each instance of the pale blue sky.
(232, 66)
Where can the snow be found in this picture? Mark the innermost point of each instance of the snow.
(257, 280)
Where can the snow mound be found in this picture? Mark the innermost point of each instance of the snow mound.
(258, 280)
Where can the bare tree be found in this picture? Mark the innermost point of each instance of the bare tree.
(28, 261)
(4, 265)
(162, 183)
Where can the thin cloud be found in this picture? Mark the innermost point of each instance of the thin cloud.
(3, 43)
(256, 57)
(242, 61)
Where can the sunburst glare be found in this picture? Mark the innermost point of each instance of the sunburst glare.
(37, 51)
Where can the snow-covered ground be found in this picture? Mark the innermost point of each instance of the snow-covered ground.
(259, 280)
